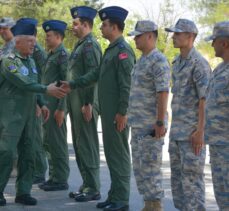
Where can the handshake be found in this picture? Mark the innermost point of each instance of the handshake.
(58, 89)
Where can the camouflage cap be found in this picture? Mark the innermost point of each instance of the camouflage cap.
(183, 25)
(221, 29)
(142, 27)
(7, 22)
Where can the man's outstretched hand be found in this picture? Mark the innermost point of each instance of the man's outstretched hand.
(55, 91)
(65, 86)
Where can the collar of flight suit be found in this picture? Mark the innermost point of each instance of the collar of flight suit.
(116, 42)
(56, 49)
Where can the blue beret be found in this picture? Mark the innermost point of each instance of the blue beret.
(83, 12)
(54, 25)
(114, 12)
(22, 28)
(28, 20)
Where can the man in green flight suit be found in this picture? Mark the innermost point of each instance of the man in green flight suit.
(18, 87)
(114, 78)
(55, 130)
(39, 55)
(83, 107)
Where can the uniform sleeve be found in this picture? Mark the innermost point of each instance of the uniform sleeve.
(161, 75)
(63, 65)
(85, 81)
(12, 73)
(92, 57)
(201, 77)
(125, 63)
(40, 100)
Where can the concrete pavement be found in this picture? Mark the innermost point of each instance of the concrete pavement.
(50, 201)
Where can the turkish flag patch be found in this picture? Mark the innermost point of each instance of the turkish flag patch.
(123, 56)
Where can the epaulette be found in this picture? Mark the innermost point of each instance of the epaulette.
(121, 45)
(63, 53)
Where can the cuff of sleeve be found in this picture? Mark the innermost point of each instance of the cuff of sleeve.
(43, 88)
(122, 111)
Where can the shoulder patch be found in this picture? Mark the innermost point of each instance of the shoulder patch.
(122, 56)
(12, 69)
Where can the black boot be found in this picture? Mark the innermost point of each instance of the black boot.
(2, 200)
(26, 199)
(103, 204)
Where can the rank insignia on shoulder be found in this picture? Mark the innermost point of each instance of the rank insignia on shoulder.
(63, 53)
(12, 69)
(24, 71)
(122, 56)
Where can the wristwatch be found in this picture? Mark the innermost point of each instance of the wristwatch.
(159, 123)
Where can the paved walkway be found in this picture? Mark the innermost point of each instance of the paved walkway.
(51, 201)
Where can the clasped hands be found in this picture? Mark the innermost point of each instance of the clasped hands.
(58, 91)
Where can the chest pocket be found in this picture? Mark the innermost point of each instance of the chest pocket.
(221, 87)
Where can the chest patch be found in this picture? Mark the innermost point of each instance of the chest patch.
(24, 71)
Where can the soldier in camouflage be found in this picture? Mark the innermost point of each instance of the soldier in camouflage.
(147, 112)
(5, 25)
(190, 78)
(217, 113)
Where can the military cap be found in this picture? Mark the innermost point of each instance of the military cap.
(83, 12)
(113, 13)
(28, 20)
(183, 25)
(7, 22)
(54, 25)
(143, 26)
(22, 28)
(221, 29)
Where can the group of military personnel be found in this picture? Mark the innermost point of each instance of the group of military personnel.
(39, 88)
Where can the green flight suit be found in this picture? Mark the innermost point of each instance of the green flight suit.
(114, 78)
(84, 58)
(18, 82)
(55, 138)
(39, 56)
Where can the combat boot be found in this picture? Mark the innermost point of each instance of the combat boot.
(153, 206)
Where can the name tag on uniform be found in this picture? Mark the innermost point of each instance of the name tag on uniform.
(24, 70)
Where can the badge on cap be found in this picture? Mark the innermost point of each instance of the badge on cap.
(24, 71)
(104, 15)
(47, 28)
(75, 13)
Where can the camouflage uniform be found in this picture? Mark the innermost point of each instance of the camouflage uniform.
(217, 136)
(190, 79)
(217, 127)
(151, 74)
(7, 48)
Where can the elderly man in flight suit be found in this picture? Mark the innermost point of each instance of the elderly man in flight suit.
(114, 78)
(55, 130)
(83, 106)
(217, 114)
(18, 84)
(39, 55)
(190, 75)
